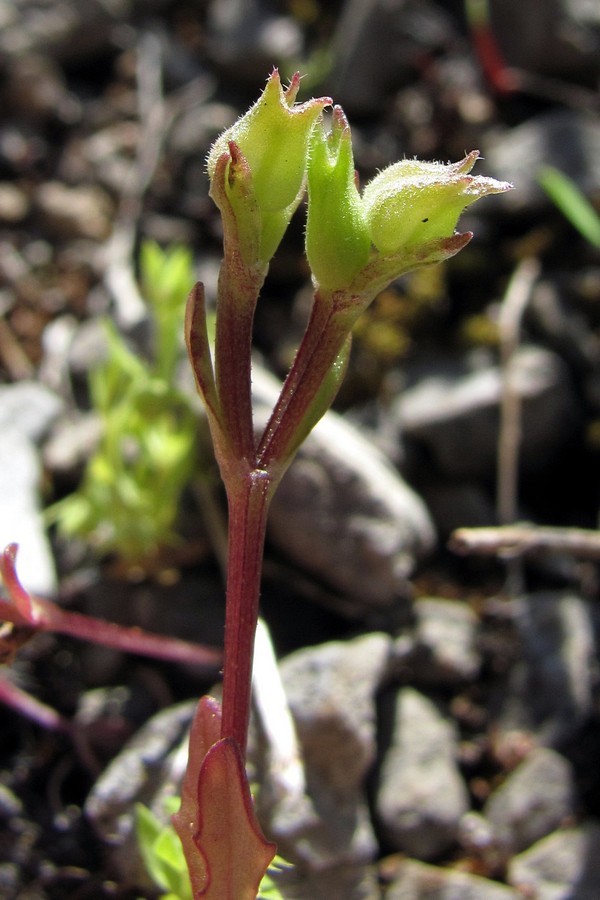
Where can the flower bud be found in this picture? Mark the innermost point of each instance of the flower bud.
(337, 238)
(414, 203)
(271, 142)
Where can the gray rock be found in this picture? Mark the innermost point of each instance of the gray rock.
(479, 843)
(565, 139)
(14, 203)
(550, 37)
(585, 12)
(549, 687)
(197, 126)
(331, 692)
(83, 211)
(534, 800)
(35, 83)
(563, 866)
(373, 44)
(418, 881)
(446, 636)
(347, 882)
(28, 407)
(26, 412)
(72, 442)
(454, 414)
(87, 348)
(107, 717)
(243, 34)
(148, 769)
(9, 879)
(56, 342)
(421, 795)
(344, 514)
(65, 30)
(458, 504)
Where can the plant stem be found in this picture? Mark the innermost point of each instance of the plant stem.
(248, 507)
(233, 344)
(327, 329)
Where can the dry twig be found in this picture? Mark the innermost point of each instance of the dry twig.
(517, 540)
(513, 307)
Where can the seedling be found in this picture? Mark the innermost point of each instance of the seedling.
(356, 244)
(128, 501)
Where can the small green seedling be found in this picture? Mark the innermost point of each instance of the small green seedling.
(128, 501)
(162, 853)
(165, 862)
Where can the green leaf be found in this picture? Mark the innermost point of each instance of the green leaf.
(162, 854)
(148, 828)
(166, 275)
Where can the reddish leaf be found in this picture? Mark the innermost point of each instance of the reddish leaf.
(225, 850)
(205, 731)
(229, 837)
(23, 613)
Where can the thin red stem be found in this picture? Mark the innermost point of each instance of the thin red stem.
(326, 332)
(233, 347)
(248, 507)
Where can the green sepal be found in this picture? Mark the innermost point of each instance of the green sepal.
(337, 237)
(411, 203)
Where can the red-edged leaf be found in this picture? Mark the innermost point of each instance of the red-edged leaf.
(225, 850)
(205, 731)
(235, 851)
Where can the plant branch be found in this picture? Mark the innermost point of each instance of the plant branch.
(511, 315)
(517, 540)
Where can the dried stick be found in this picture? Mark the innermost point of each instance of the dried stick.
(517, 540)
(511, 314)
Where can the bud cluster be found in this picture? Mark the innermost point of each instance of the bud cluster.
(405, 217)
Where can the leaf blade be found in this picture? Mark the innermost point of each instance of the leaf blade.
(229, 837)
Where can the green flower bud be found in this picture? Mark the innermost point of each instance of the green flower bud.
(337, 238)
(414, 203)
(267, 176)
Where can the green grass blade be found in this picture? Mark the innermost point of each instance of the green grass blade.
(573, 204)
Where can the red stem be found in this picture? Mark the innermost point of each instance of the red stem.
(248, 507)
(233, 347)
(129, 639)
(328, 328)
